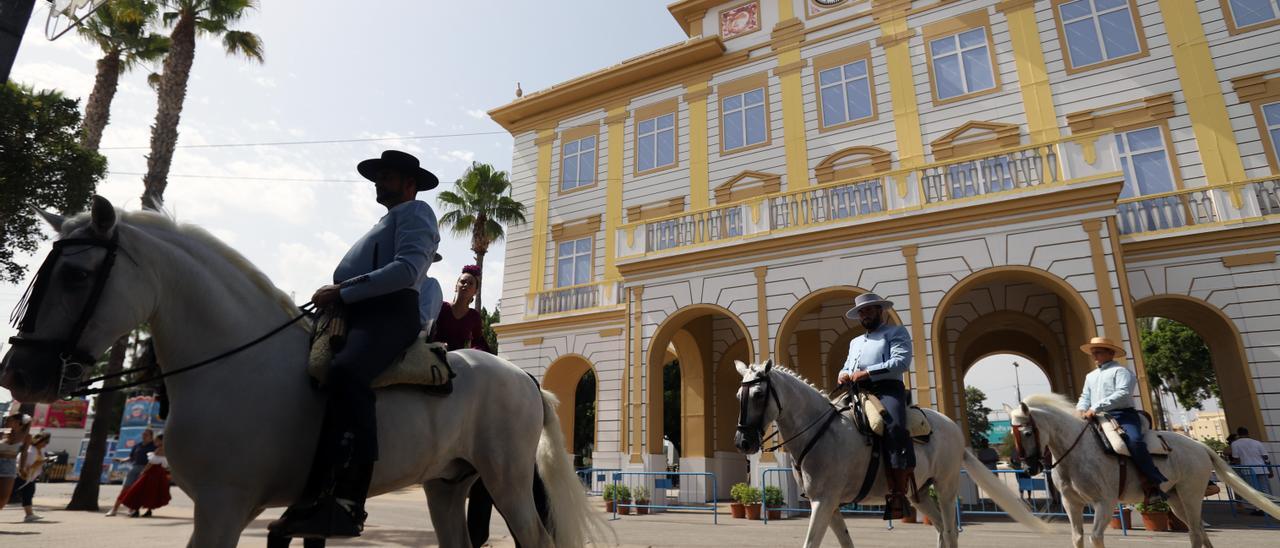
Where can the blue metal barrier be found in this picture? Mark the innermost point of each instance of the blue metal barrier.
(594, 479)
(1035, 492)
(692, 494)
(1261, 478)
(781, 477)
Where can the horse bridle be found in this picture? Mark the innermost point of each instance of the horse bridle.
(759, 427)
(1044, 452)
(75, 360)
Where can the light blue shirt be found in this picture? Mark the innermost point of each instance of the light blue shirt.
(430, 297)
(884, 352)
(395, 254)
(1109, 387)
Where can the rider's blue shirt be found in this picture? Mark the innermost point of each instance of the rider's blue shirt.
(395, 254)
(884, 352)
(1109, 387)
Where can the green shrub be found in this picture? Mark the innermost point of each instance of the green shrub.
(1156, 507)
(751, 497)
(773, 497)
(739, 492)
(617, 493)
(640, 494)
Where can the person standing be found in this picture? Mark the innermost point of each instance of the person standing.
(151, 490)
(13, 443)
(376, 287)
(880, 357)
(1253, 457)
(30, 466)
(137, 460)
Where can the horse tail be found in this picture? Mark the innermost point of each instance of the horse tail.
(1241, 487)
(571, 520)
(1004, 497)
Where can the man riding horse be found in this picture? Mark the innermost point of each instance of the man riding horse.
(377, 286)
(880, 357)
(1110, 389)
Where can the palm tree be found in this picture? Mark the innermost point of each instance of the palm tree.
(189, 17)
(479, 206)
(122, 30)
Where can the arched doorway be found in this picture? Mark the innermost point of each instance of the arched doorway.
(814, 335)
(1239, 398)
(1009, 309)
(698, 339)
(1002, 378)
(564, 378)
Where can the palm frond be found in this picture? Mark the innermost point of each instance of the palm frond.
(243, 43)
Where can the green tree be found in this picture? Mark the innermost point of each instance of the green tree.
(976, 412)
(478, 206)
(122, 30)
(1217, 445)
(42, 163)
(1178, 361)
(189, 18)
(488, 321)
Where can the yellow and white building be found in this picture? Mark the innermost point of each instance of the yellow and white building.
(1016, 175)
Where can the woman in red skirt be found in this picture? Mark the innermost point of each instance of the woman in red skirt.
(151, 491)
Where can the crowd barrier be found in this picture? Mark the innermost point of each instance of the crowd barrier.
(594, 479)
(1263, 478)
(684, 491)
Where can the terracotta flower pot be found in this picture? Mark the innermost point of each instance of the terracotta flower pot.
(608, 506)
(624, 509)
(642, 508)
(738, 510)
(925, 520)
(753, 511)
(1115, 521)
(775, 514)
(1176, 524)
(1155, 521)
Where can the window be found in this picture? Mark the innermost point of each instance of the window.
(1247, 13)
(573, 262)
(1097, 31)
(656, 142)
(1145, 162)
(845, 93)
(1271, 117)
(961, 64)
(743, 119)
(578, 163)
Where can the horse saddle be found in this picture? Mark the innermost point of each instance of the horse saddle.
(1113, 437)
(917, 424)
(423, 363)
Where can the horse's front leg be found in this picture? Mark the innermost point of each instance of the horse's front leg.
(1075, 515)
(819, 519)
(840, 529)
(446, 501)
(221, 515)
(1101, 519)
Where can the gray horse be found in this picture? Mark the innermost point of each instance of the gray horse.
(241, 430)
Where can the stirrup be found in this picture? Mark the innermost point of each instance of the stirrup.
(895, 506)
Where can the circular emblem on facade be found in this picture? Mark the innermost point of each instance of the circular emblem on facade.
(827, 3)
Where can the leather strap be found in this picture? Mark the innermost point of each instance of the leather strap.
(872, 467)
(1123, 473)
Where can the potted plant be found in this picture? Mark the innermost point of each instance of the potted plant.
(623, 496)
(1124, 514)
(933, 494)
(751, 500)
(738, 493)
(640, 496)
(610, 495)
(773, 499)
(1155, 515)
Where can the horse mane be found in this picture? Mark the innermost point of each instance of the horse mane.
(1052, 402)
(164, 223)
(797, 376)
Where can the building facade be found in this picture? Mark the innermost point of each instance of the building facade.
(1211, 424)
(1017, 175)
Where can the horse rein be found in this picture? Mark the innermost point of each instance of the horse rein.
(825, 419)
(1045, 450)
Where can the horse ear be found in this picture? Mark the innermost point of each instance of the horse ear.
(102, 215)
(742, 367)
(53, 219)
(1007, 409)
(768, 364)
(1023, 406)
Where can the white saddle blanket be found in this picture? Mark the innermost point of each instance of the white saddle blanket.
(917, 424)
(417, 365)
(1112, 432)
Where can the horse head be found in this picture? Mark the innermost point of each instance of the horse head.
(757, 405)
(81, 300)
(1026, 438)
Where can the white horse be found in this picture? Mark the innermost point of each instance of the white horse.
(832, 472)
(241, 431)
(1048, 424)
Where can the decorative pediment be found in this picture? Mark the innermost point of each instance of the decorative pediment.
(576, 229)
(852, 163)
(975, 137)
(748, 184)
(657, 209)
(1140, 111)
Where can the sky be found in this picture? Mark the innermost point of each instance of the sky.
(353, 70)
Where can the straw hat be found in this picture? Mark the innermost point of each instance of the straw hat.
(864, 300)
(1102, 342)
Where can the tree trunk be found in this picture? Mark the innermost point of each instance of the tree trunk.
(85, 496)
(97, 110)
(172, 93)
(479, 245)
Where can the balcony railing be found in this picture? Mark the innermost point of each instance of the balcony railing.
(1239, 202)
(979, 177)
(575, 298)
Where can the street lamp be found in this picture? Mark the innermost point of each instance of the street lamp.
(1017, 384)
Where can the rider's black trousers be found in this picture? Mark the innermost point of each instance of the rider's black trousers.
(893, 395)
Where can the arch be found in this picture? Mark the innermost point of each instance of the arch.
(1078, 324)
(1230, 361)
(726, 400)
(561, 379)
(806, 305)
(851, 163)
(689, 329)
(1019, 333)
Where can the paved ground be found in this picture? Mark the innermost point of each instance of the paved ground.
(400, 519)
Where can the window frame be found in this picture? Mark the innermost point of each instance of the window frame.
(951, 27)
(1257, 90)
(1065, 48)
(840, 58)
(1229, 16)
(572, 135)
(591, 260)
(1171, 154)
(1271, 146)
(741, 86)
(653, 112)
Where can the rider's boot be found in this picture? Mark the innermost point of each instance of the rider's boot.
(318, 513)
(895, 502)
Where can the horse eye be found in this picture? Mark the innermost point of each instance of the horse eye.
(74, 275)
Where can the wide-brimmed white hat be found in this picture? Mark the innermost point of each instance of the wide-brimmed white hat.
(1102, 342)
(864, 300)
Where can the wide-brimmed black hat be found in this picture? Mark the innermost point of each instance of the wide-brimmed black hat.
(400, 161)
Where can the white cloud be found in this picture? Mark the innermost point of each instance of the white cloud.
(478, 114)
